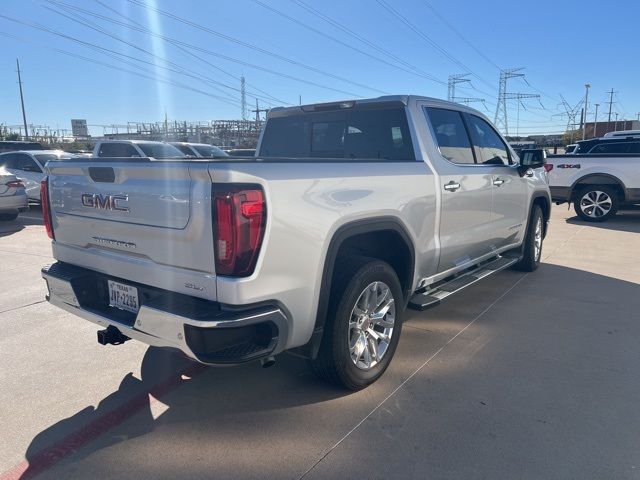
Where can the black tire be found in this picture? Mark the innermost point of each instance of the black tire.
(586, 197)
(532, 255)
(7, 217)
(334, 362)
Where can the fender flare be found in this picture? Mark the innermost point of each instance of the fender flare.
(344, 232)
(612, 178)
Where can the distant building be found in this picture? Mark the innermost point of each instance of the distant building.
(605, 127)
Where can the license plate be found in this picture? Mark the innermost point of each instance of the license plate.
(124, 297)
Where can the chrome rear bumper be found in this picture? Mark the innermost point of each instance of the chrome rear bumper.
(206, 331)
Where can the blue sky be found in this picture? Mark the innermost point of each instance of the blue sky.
(562, 44)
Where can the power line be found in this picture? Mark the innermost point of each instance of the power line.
(363, 39)
(179, 47)
(251, 46)
(176, 67)
(345, 44)
(426, 38)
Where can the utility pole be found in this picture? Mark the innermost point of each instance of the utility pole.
(595, 122)
(638, 114)
(24, 115)
(453, 81)
(587, 86)
(616, 127)
(610, 102)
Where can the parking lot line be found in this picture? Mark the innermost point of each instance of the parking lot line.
(413, 374)
(53, 454)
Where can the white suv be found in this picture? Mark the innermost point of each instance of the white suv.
(28, 166)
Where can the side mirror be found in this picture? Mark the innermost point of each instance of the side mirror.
(531, 159)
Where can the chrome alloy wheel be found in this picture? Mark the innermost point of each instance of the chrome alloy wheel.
(595, 204)
(371, 325)
(537, 239)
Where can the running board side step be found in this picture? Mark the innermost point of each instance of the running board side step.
(433, 296)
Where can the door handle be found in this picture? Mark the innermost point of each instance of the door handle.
(451, 186)
(498, 181)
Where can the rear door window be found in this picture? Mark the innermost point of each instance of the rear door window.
(365, 133)
(611, 148)
(8, 160)
(489, 147)
(451, 135)
(26, 163)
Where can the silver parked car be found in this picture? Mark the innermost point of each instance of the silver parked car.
(199, 150)
(13, 197)
(28, 166)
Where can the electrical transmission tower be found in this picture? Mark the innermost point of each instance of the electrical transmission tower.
(519, 97)
(243, 98)
(468, 100)
(571, 113)
(500, 118)
(453, 81)
(451, 90)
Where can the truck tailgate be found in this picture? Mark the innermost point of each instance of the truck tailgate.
(145, 221)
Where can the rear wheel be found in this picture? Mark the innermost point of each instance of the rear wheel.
(596, 203)
(363, 326)
(6, 217)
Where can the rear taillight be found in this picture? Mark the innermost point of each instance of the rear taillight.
(548, 167)
(15, 184)
(46, 210)
(239, 223)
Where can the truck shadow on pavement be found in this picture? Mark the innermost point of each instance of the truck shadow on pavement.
(230, 420)
(162, 372)
(33, 217)
(624, 221)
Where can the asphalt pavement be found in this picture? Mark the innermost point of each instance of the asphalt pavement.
(519, 376)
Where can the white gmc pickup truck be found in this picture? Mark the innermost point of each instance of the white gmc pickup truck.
(349, 213)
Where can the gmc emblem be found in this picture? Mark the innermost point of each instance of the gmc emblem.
(105, 202)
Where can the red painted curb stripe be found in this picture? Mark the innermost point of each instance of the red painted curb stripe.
(48, 457)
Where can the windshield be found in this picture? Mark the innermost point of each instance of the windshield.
(160, 150)
(210, 151)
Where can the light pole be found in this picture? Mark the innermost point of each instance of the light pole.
(616, 126)
(595, 122)
(587, 86)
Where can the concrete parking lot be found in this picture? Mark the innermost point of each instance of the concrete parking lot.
(520, 376)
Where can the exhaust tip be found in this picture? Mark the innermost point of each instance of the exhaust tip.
(267, 362)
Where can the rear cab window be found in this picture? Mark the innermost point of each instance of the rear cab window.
(117, 150)
(373, 133)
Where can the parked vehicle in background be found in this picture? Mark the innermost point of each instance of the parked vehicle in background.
(241, 152)
(570, 148)
(81, 153)
(13, 146)
(608, 145)
(598, 184)
(28, 166)
(13, 197)
(135, 148)
(623, 133)
(350, 212)
(199, 150)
